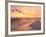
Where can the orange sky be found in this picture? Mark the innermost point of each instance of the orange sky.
(32, 12)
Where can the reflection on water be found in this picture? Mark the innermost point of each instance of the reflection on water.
(25, 24)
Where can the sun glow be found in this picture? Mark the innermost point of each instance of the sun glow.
(26, 12)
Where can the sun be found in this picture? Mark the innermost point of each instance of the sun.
(26, 12)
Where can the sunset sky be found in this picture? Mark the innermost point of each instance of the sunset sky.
(25, 11)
